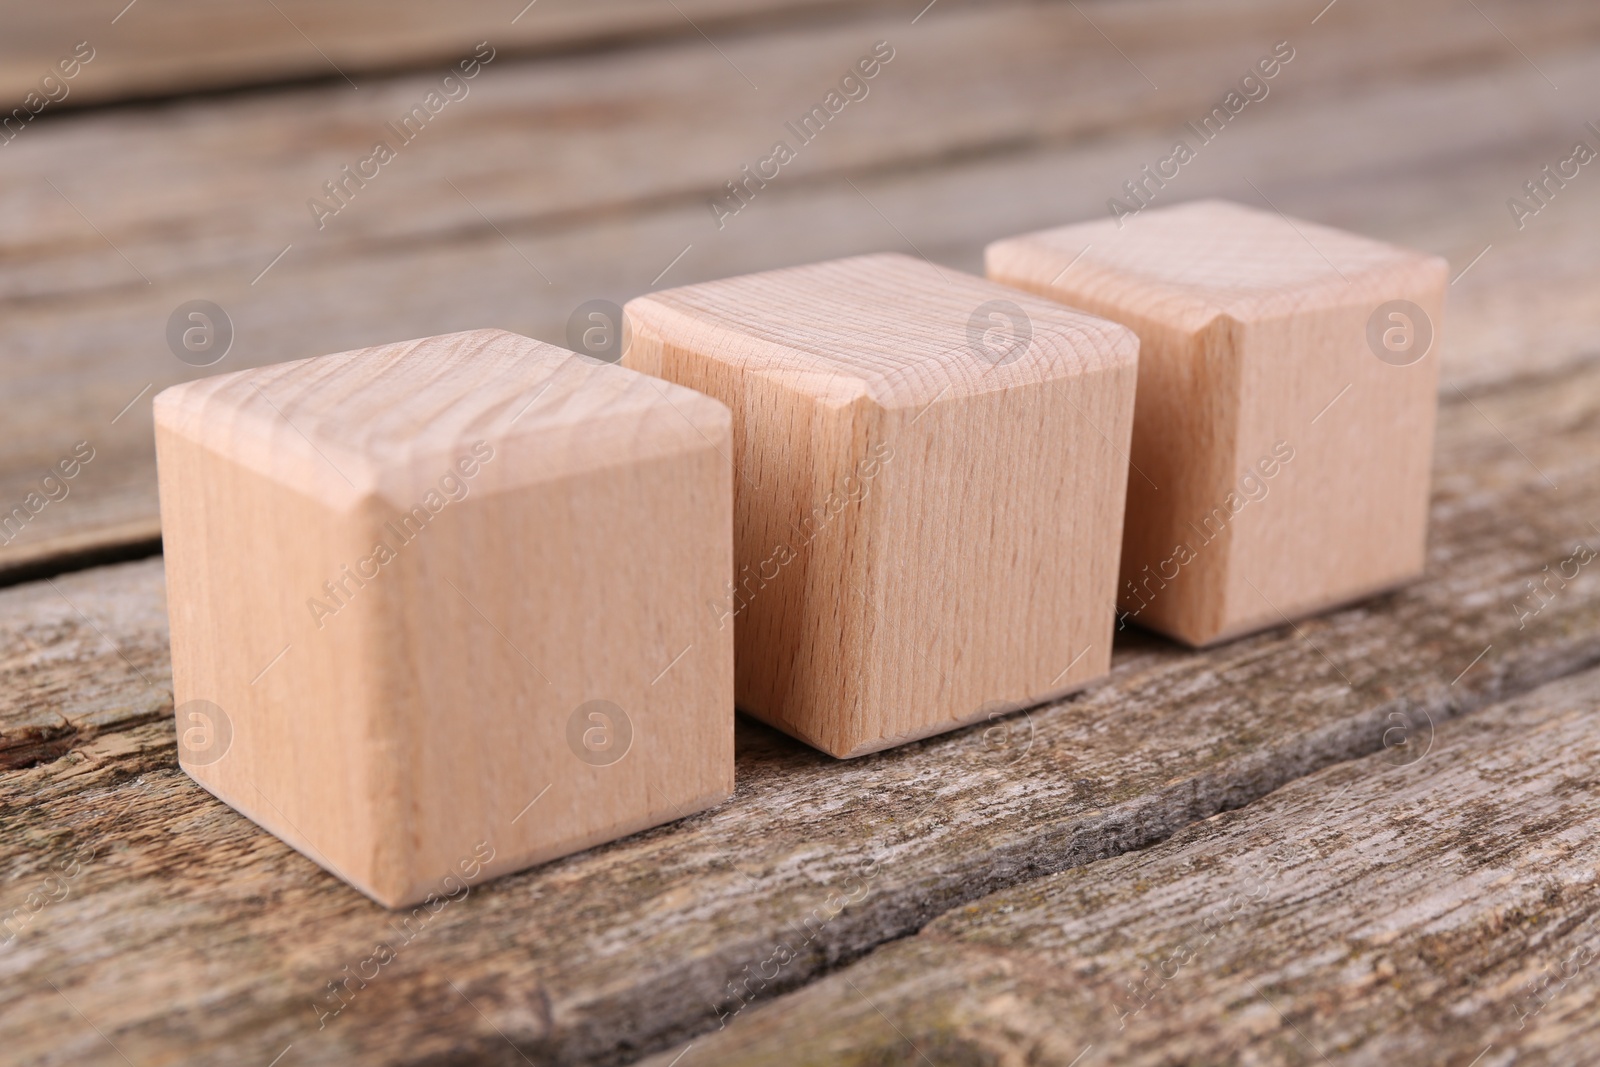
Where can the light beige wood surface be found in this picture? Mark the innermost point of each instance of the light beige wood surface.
(1284, 426)
(435, 605)
(930, 480)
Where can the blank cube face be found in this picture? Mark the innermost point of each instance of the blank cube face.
(929, 490)
(438, 608)
(1283, 434)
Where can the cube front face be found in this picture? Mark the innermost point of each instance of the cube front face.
(919, 539)
(984, 573)
(1338, 507)
(494, 650)
(580, 673)
(1281, 449)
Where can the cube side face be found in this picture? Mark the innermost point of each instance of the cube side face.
(983, 566)
(819, 680)
(1178, 541)
(555, 677)
(775, 521)
(273, 706)
(1336, 454)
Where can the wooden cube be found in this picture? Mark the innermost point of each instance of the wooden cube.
(438, 608)
(1287, 389)
(929, 490)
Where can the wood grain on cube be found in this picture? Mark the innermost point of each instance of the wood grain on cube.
(930, 480)
(398, 577)
(1284, 424)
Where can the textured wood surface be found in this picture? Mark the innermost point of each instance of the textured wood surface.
(65, 677)
(184, 46)
(593, 176)
(191, 936)
(1427, 905)
(932, 470)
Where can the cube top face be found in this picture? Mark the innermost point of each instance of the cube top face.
(1281, 446)
(495, 651)
(386, 420)
(928, 492)
(1187, 264)
(888, 328)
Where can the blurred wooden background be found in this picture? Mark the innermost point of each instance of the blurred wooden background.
(584, 171)
(179, 166)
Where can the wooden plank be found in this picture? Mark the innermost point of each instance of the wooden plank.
(1389, 910)
(186, 46)
(202, 188)
(191, 936)
(84, 652)
(597, 177)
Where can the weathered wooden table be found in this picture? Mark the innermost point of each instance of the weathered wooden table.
(1368, 838)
